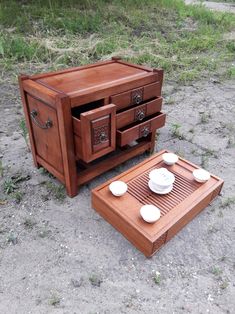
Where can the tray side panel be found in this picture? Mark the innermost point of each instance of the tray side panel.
(133, 235)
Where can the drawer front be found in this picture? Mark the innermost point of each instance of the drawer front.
(95, 133)
(138, 113)
(136, 96)
(127, 135)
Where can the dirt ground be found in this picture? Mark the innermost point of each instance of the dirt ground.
(62, 257)
(217, 6)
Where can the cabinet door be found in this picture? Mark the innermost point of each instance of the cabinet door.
(98, 132)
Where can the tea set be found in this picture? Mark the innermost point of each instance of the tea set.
(161, 182)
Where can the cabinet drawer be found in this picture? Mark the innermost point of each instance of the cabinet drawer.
(136, 96)
(138, 113)
(137, 130)
(94, 133)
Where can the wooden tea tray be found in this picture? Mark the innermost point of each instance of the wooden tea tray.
(182, 204)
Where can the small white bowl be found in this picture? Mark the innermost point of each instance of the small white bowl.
(170, 158)
(161, 178)
(118, 188)
(201, 175)
(150, 213)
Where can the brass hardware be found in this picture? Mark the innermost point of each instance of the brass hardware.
(137, 96)
(140, 115)
(48, 124)
(145, 131)
(103, 137)
(137, 99)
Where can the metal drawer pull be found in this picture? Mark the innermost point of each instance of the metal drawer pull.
(137, 99)
(48, 124)
(140, 115)
(145, 131)
(103, 137)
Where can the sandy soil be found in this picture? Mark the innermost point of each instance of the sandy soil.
(61, 257)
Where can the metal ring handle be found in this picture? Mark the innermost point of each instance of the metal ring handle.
(103, 137)
(48, 124)
(145, 131)
(140, 115)
(137, 99)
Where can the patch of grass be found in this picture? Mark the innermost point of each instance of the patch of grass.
(169, 100)
(204, 117)
(29, 223)
(43, 171)
(230, 72)
(12, 238)
(9, 186)
(216, 271)
(95, 280)
(188, 76)
(44, 233)
(175, 131)
(224, 285)
(57, 191)
(157, 278)
(229, 201)
(186, 41)
(18, 196)
(204, 161)
(54, 300)
(206, 155)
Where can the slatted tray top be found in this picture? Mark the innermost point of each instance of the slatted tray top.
(185, 201)
(182, 188)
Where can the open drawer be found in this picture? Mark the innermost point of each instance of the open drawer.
(95, 132)
(138, 113)
(137, 130)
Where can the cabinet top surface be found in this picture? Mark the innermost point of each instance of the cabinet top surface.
(86, 79)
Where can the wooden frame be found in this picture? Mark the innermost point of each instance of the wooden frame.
(67, 146)
(181, 205)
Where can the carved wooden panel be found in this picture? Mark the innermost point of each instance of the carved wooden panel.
(98, 130)
(100, 134)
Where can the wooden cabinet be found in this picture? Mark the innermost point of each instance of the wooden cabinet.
(83, 121)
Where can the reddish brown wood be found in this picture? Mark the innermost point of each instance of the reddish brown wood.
(27, 118)
(47, 141)
(106, 90)
(112, 161)
(180, 206)
(74, 123)
(67, 144)
(136, 96)
(94, 124)
(138, 113)
(131, 133)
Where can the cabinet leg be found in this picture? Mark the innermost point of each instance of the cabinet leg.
(152, 140)
(67, 144)
(72, 189)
